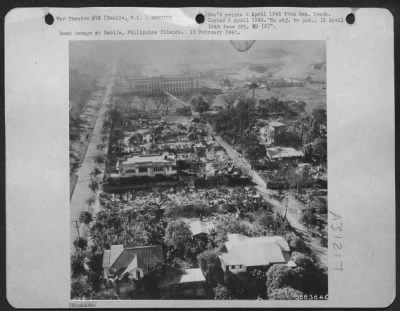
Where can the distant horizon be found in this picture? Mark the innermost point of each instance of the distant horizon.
(168, 57)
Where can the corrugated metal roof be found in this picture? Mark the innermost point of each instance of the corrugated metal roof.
(253, 255)
(116, 251)
(188, 276)
(147, 256)
(106, 258)
(283, 152)
(256, 251)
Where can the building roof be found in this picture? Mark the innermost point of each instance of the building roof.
(106, 258)
(115, 252)
(276, 124)
(164, 77)
(199, 226)
(257, 251)
(187, 276)
(129, 258)
(283, 152)
(154, 158)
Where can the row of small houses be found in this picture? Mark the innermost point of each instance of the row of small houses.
(125, 266)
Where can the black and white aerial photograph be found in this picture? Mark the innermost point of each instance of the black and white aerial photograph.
(198, 170)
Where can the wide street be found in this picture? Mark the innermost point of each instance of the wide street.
(82, 192)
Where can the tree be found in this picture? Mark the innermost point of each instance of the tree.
(114, 115)
(95, 265)
(221, 292)
(200, 105)
(96, 172)
(255, 152)
(319, 115)
(94, 186)
(90, 201)
(279, 276)
(253, 149)
(253, 86)
(286, 293)
(303, 261)
(99, 159)
(177, 235)
(296, 244)
(288, 139)
(308, 218)
(77, 263)
(230, 99)
(320, 149)
(307, 277)
(80, 288)
(85, 217)
(210, 264)
(81, 243)
(267, 221)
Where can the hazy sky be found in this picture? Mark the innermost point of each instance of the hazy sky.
(163, 56)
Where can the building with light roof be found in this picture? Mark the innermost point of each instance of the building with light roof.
(173, 84)
(244, 252)
(187, 284)
(129, 261)
(284, 154)
(148, 165)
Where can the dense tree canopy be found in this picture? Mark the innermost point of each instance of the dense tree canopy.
(279, 276)
(286, 293)
(221, 292)
(80, 243)
(200, 105)
(296, 244)
(177, 236)
(85, 217)
(210, 264)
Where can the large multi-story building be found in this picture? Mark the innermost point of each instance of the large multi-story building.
(171, 84)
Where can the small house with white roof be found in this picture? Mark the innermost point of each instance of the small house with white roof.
(244, 252)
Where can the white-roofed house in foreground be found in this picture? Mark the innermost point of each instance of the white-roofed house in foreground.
(249, 252)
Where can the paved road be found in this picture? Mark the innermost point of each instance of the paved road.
(293, 211)
(82, 191)
(177, 99)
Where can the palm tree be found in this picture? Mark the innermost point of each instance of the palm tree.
(85, 217)
(253, 86)
(99, 159)
(90, 201)
(94, 186)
